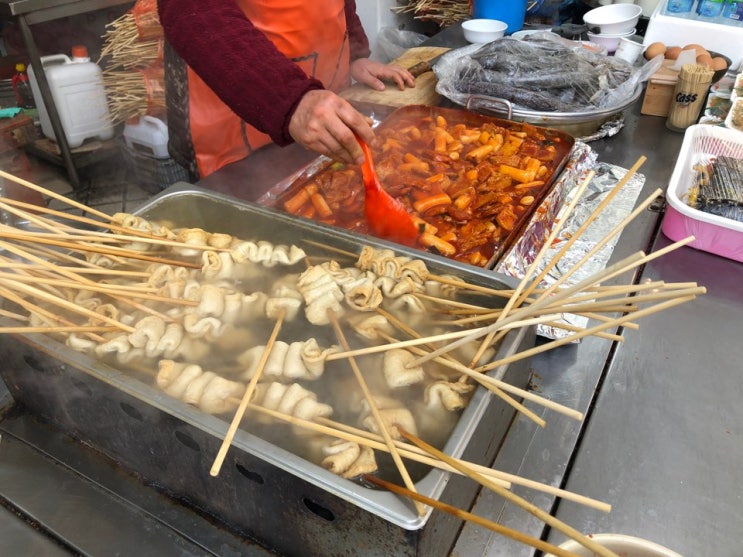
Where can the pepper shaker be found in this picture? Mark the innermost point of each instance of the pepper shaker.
(688, 96)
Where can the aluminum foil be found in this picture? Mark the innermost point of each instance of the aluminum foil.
(521, 256)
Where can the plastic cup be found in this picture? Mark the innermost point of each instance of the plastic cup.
(628, 49)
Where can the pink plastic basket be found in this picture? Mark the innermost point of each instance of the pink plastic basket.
(712, 233)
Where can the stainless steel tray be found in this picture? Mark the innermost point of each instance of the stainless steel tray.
(263, 491)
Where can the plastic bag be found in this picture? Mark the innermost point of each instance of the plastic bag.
(393, 42)
(541, 73)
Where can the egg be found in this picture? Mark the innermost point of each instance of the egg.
(705, 59)
(719, 63)
(654, 50)
(672, 53)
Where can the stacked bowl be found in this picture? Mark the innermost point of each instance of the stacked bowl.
(613, 22)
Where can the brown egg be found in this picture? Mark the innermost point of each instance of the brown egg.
(654, 50)
(672, 52)
(719, 63)
(705, 59)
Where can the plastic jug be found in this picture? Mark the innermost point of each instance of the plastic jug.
(149, 135)
(77, 89)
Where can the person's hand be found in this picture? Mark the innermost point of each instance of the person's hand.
(325, 123)
(374, 74)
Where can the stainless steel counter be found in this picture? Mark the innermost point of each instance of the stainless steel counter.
(661, 441)
(661, 438)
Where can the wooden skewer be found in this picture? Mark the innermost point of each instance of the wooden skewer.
(400, 344)
(118, 252)
(486, 380)
(591, 253)
(434, 338)
(609, 305)
(504, 478)
(93, 236)
(394, 453)
(618, 293)
(41, 223)
(330, 248)
(329, 427)
(592, 217)
(112, 290)
(516, 405)
(572, 338)
(26, 254)
(600, 244)
(532, 509)
(35, 292)
(592, 294)
(13, 315)
(60, 214)
(54, 195)
(527, 310)
(599, 317)
(82, 280)
(50, 255)
(139, 234)
(59, 329)
(516, 298)
(44, 314)
(219, 460)
(469, 517)
(80, 270)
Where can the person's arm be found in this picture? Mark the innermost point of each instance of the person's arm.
(358, 41)
(237, 62)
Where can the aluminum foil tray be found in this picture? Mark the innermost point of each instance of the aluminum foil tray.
(330, 176)
(288, 504)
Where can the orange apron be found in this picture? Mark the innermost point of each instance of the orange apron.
(312, 34)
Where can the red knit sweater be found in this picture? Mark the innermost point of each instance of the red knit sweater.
(240, 64)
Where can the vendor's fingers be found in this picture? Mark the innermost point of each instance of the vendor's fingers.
(401, 76)
(326, 123)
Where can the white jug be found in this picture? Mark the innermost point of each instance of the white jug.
(77, 89)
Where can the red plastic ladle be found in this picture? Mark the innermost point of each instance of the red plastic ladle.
(386, 216)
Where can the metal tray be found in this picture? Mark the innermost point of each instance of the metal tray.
(264, 492)
(564, 142)
(583, 125)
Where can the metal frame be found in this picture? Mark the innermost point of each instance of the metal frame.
(31, 12)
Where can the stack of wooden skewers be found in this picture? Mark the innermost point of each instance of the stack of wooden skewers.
(441, 12)
(41, 265)
(132, 62)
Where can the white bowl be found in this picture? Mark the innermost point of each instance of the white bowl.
(613, 18)
(483, 30)
(626, 546)
(610, 41)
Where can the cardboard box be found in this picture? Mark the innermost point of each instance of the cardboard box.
(659, 92)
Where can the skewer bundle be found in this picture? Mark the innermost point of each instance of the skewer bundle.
(53, 274)
(135, 92)
(132, 58)
(441, 12)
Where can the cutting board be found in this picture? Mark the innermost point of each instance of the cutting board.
(424, 91)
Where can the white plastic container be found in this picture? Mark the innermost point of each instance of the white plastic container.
(77, 89)
(149, 136)
(711, 233)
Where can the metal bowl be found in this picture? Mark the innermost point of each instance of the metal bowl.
(577, 124)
